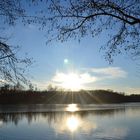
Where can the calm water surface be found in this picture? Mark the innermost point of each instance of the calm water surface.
(70, 122)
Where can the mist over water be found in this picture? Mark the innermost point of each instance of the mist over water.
(71, 122)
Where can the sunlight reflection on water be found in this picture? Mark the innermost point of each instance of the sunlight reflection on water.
(120, 123)
(72, 123)
(72, 108)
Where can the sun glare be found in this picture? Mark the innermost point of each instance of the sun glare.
(72, 81)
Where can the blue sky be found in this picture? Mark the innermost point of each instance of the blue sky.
(85, 63)
(83, 59)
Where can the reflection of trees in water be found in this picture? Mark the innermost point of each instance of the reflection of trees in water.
(55, 117)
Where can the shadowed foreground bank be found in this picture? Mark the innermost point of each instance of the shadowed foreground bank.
(65, 97)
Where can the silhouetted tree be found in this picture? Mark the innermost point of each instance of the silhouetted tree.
(73, 19)
(51, 88)
(6, 87)
(76, 19)
(10, 71)
(31, 87)
(10, 64)
(79, 18)
(18, 87)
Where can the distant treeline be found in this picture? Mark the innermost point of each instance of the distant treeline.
(65, 97)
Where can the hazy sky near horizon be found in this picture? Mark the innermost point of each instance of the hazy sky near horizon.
(82, 60)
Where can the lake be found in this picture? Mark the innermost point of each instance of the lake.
(70, 122)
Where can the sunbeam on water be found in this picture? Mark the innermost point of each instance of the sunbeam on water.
(72, 108)
(72, 123)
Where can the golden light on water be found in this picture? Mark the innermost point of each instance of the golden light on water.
(72, 108)
(72, 123)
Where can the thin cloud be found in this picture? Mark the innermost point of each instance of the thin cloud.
(89, 75)
(109, 72)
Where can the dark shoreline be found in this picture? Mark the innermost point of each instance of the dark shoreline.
(66, 97)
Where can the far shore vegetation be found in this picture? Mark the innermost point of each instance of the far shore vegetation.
(18, 95)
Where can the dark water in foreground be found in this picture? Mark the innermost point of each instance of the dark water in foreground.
(70, 122)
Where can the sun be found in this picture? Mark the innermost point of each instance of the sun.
(72, 81)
